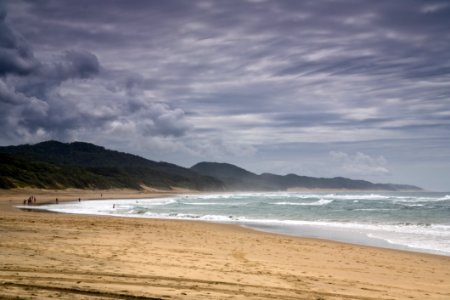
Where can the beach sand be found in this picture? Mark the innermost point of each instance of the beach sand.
(62, 256)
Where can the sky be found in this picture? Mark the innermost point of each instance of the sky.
(353, 88)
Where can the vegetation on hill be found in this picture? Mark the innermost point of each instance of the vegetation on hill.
(54, 164)
(20, 172)
(236, 178)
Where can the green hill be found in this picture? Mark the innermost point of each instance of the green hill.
(20, 172)
(236, 178)
(52, 164)
(56, 165)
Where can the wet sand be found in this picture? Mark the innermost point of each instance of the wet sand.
(47, 255)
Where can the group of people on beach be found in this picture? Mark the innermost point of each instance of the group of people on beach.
(31, 200)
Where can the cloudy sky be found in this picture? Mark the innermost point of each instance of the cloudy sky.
(321, 88)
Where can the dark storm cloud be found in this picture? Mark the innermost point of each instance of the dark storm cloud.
(235, 55)
(45, 77)
(16, 55)
(67, 94)
(81, 64)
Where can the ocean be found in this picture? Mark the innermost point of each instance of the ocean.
(415, 221)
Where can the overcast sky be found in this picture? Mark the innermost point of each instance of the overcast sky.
(350, 88)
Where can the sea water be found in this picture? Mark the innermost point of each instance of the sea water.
(416, 221)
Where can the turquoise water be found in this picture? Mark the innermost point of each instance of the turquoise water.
(410, 221)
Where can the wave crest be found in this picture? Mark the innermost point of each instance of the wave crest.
(316, 203)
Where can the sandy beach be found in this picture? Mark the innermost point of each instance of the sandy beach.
(49, 255)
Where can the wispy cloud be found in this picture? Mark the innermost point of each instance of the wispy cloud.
(360, 163)
(175, 76)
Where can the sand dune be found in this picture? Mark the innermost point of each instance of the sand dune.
(47, 255)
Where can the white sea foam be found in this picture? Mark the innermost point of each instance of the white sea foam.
(215, 203)
(412, 205)
(356, 197)
(429, 238)
(422, 199)
(415, 241)
(373, 209)
(203, 203)
(316, 203)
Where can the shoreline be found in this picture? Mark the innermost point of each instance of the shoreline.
(345, 238)
(310, 231)
(307, 229)
(85, 256)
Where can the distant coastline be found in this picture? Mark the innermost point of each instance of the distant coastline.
(56, 165)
